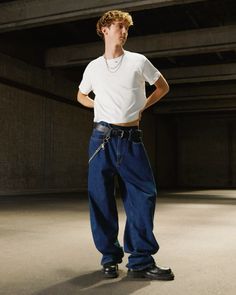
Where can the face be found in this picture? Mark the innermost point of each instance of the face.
(117, 33)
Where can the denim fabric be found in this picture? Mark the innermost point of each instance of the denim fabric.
(128, 159)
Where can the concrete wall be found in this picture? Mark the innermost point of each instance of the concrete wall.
(44, 146)
(196, 150)
(43, 143)
(166, 147)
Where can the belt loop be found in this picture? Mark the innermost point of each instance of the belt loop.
(130, 134)
(108, 133)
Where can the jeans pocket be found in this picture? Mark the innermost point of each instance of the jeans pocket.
(97, 135)
(136, 137)
(137, 141)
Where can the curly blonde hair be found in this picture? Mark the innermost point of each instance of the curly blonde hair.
(109, 17)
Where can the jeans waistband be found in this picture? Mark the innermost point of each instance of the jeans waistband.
(115, 130)
(109, 130)
(113, 126)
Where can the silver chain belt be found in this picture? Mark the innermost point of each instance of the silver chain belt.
(101, 146)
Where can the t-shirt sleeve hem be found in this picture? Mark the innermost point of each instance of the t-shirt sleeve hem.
(82, 90)
(155, 78)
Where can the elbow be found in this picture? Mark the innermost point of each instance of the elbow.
(162, 85)
(167, 88)
(78, 98)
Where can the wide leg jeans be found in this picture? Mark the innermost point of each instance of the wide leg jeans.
(127, 159)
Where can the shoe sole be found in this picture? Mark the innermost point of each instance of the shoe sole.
(141, 275)
(110, 276)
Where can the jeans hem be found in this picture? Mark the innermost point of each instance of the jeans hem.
(141, 268)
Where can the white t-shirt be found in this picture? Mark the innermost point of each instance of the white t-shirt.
(119, 95)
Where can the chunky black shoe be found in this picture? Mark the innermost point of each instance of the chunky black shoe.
(110, 270)
(153, 272)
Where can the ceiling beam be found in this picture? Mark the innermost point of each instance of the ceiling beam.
(198, 98)
(196, 74)
(19, 73)
(201, 91)
(197, 106)
(21, 14)
(153, 46)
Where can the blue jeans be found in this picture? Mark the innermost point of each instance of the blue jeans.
(127, 158)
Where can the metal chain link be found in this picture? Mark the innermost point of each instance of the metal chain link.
(102, 146)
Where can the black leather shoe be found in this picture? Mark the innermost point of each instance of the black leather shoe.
(154, 272)
(110, 270)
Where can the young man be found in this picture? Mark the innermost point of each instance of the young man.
(118, 81)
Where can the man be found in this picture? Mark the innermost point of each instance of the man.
(118, 81)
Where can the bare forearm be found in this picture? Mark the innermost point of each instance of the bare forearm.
(155, 97)
(85, 100)
(162, 88)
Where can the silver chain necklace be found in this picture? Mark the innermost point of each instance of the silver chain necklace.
(116, 67)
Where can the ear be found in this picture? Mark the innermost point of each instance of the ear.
(104, 30)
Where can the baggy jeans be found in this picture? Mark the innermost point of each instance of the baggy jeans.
(128, 159)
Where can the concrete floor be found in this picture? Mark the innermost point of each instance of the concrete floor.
(46, 246)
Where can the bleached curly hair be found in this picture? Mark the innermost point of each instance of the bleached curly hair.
(109, 17)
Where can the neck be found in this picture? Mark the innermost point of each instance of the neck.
(113, 51)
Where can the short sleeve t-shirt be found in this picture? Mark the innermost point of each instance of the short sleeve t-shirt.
(119, 95)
